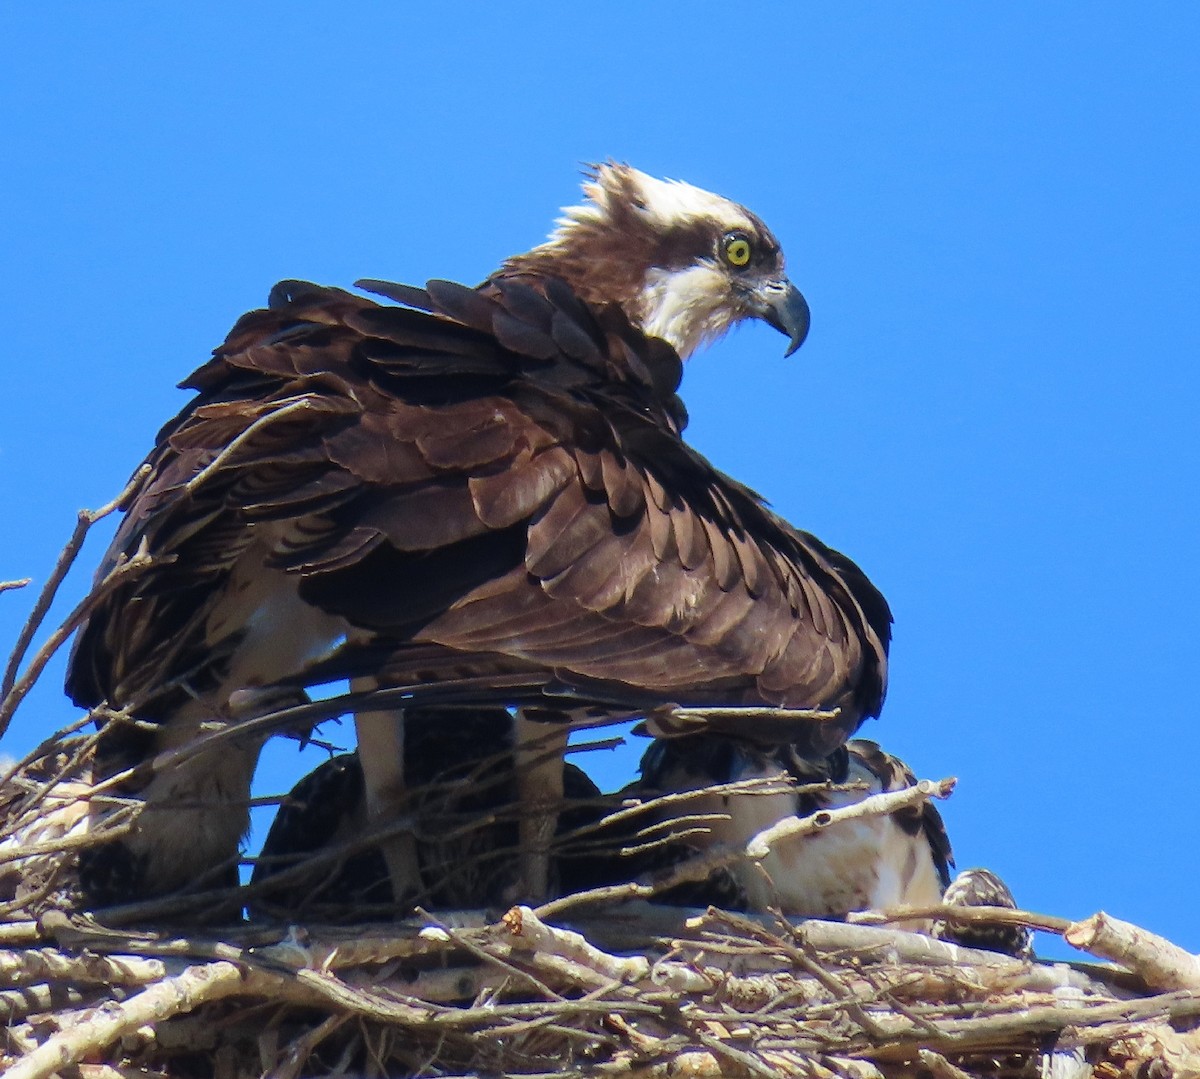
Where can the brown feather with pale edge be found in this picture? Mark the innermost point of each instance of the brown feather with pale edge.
(593, 540)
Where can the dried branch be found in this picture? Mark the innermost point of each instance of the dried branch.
(525, 925)
(975, 915)
(66, 559)
(877, 805)
(98, 1029)
(699, 867)
(688, 998)
(1158, 962)
(50, 964)
(22, 685)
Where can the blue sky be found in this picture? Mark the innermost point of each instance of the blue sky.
(991, 209)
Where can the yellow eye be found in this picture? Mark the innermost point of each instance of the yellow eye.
(737, 250)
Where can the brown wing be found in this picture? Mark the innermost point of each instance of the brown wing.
(500, 474)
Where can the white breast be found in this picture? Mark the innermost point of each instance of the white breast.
(853, 865)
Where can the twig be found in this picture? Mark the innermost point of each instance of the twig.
(104, 1071)
(469, 945)
(800, 951)
(1158, 962)
(524, 924)
(761, 785)
(49, 964)
(877, 805)
(66, 559)
(701, 866)
(16, 933)
(301, 1049)
(300, 403)
(44, 997)
(364, 946)
(498, 690)
(939, 1067)
(986, 915)
(8, 586)
(172, 996)
(115, 826)
(21, 686)
(738, 1056)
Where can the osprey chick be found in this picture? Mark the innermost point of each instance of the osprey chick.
(902, 859)
(479, 482)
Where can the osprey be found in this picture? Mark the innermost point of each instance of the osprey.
(469, 482)
(982, 888)
(903, 859)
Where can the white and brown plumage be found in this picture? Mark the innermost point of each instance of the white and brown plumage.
(481, 481)
(982, 888)
(876, 862)
(902, 859)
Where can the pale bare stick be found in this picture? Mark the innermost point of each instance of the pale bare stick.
(525, 925)
(22, 685)
(877, 805)
(637, 807)
(939, 1067)
(13, 934)
(8, 586)
(300, 403)
(699, 867)
(1158, 962)
(1047, 923)
(48, 964)
(66, 559)
(465, 942)
(16, 1004)
(88, 1032)
(172, 996)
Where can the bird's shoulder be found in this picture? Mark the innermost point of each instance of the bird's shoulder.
(444, 341)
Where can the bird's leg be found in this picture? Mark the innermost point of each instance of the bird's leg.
(381, 755)
(539, 754)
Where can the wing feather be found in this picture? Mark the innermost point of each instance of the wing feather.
(491, 472)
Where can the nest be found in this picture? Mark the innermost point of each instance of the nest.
(600, 982)
(641, 991)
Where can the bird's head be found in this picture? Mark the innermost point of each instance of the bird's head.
(683, 264)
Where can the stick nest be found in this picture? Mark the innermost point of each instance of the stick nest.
(608, 985)
(633, 991)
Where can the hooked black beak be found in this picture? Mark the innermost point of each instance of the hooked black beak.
(782, 305)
